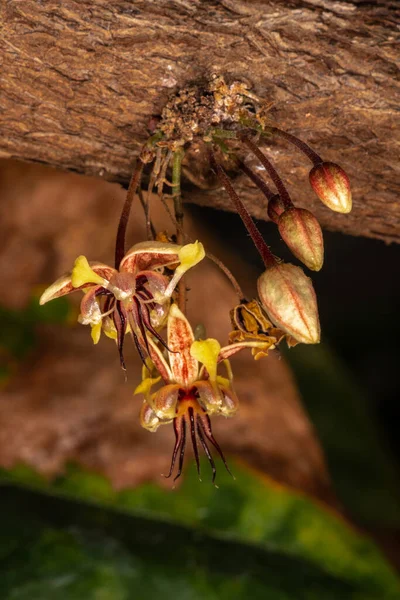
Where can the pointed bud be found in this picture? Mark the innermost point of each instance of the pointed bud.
(288, 296)
(275, 208)
(302, 234)
(332, 186)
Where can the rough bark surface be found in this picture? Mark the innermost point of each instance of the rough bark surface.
(80, 81)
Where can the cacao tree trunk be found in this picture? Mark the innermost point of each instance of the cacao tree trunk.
(81, 80)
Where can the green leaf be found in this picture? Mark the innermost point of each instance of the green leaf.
(249, 538)
(362, 469)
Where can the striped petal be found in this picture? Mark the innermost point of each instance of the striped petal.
(150, 255)
(261, 346)
(64, 285)
(184, 366)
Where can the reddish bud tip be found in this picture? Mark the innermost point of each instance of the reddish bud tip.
(332, 186)
(302, 234)
(288, 296)
(275, 208)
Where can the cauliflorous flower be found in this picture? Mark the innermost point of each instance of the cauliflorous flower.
(192, 390)
(133, 299)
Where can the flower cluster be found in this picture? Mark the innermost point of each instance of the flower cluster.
(133, 299)
(144, 294)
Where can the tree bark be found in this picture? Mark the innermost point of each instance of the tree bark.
(81, 80)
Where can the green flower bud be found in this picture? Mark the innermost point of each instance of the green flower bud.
(288, 297)
(332, 186)
(302, 234)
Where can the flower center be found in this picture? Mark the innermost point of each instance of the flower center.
(122, 285)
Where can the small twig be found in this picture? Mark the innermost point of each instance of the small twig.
(152, 181)
(150, 231)
(163, 169)
(176, 187)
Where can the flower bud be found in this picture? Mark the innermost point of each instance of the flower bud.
(275, 208)
(302, 234)
(288, 296)
(332, 186)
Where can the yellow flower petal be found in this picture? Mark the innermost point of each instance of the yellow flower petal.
(206, 352)
(96, 332)
(145, 386)
(189, 256)
(83, 273)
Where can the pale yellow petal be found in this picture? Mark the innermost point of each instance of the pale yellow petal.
(189, 256)
(96, 333)
(82, 273)
(206, 352)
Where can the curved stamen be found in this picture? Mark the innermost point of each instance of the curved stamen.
(109, 302)
(207, 451)
(105, 314)
(193, 436)
(204, 421)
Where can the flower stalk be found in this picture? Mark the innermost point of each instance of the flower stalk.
(126, 211)
(265, 252)
(305, 148)
(280, 186)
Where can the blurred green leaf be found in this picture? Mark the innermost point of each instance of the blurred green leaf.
(361, 467)
(51, 548)
(250, 538)
(17, 332)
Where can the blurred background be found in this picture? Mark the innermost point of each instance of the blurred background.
(314, 447)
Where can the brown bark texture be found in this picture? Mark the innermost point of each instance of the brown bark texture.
(81, 80)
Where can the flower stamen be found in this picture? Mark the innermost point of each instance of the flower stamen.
(193, 436)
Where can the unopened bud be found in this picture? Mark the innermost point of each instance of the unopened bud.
(275, 208)
(288, 296)
(332, 186)
(302, 233)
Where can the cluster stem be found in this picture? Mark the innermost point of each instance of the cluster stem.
(265, 253)
(258, 181)
(280, 186)
(126, 210)
(305, 148)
